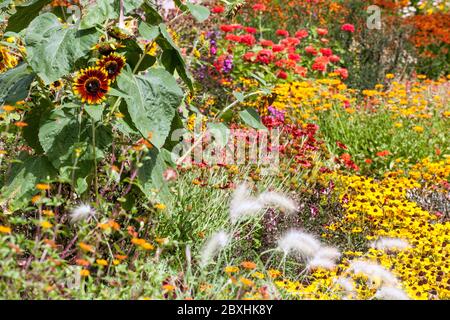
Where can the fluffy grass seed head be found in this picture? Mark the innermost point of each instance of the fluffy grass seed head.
(390, 293)
(374, 272)
(216, 243)
(279, 200)
(299, 242)
(81, 212)
(390, 244)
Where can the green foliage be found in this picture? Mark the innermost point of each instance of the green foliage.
(70, 137)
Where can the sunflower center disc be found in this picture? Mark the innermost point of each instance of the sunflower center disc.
(92, 85)
(111, 67)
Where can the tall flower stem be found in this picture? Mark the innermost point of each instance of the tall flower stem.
(95, 162)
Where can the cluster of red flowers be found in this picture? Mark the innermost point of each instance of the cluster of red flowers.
(297, 142)
(285, 56)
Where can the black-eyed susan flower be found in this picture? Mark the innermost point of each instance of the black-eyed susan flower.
(113, 64)
(7, 59)
(91, 84)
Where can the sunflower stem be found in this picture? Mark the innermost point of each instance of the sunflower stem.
(95, 163)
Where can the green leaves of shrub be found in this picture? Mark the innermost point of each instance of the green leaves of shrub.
(15, 84)
(53, 48)
(153, 99)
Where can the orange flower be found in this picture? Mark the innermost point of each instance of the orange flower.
(42, 186)
(246, 282)
(21, 124)
(383, 153)
(35, 199)
(82, 262)
(248, 265)
(86, 247)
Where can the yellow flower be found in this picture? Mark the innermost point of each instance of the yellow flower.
(102, 262)
(418, 129)
(246, 282)
(5, 230)
(84, 273)
(160, 206)
(231, 269)
(46, 225)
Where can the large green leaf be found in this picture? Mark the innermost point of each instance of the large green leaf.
(53, 48)
(150, 174)
(97, 13)
(172, 58)
(21, 181)
(130, 5)
(251, 117)
(61, 134)
(15, 84)
(33, 119)
(153, 100)
(25, 14)
(201, 13)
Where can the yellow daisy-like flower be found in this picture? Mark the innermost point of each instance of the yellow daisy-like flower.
(7, 59)
(92, 84)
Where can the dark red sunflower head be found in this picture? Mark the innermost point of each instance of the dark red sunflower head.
(113, 64)
(91, 85)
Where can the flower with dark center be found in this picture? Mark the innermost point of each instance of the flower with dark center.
(91, 85)
(113, 64)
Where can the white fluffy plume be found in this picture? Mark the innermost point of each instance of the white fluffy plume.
(216, 243)
(80, 213)
(374, 272)
(243, 204)
(329, 253)
(278, 200)
(390, 293)
(317, 262)
(390, 244)
(346, 284)
(299, 242)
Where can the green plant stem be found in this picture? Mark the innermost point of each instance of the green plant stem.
(95, 163)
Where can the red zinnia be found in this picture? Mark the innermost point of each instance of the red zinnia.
(259, 7)
(334, 58)
(218, 9)
(277, 48)
(266, 43)
(326, 52)
(250, 30)
(282, 33)
(322, 31)
(311, 50)
(301, 34)
(348, 27)
(294, 57)
(282, 75)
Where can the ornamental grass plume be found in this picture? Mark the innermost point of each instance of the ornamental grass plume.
(213, 246)
(300, 243)
(318, 262)
(374, 272)
(278, 200)
(243, 204)
(390, 244)
(390, 293)
(346, 284)
(81, 212)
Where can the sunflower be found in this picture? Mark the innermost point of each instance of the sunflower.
(7, 59)
(56, 86)
(91, 85)
(113, 64)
